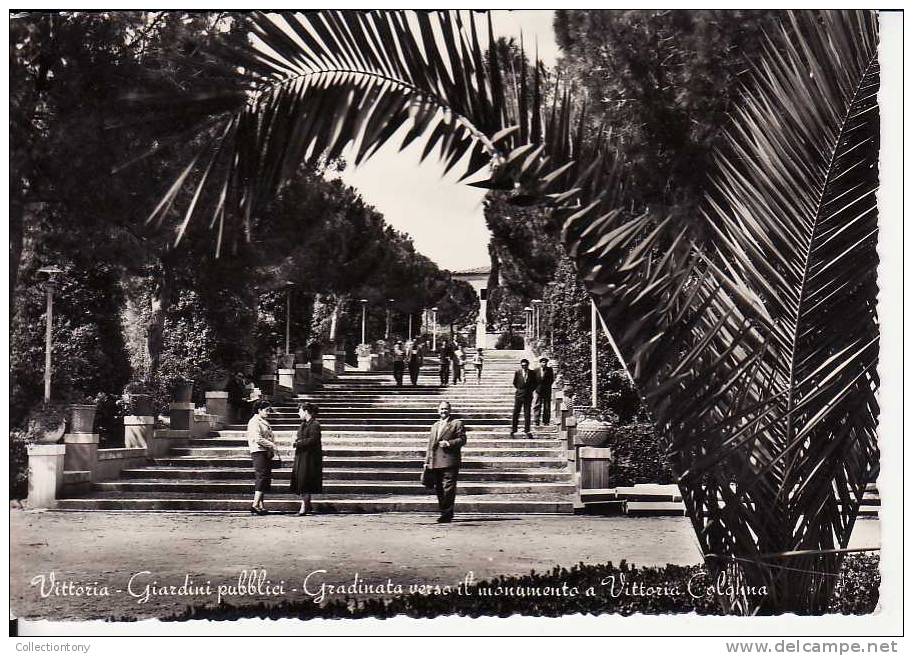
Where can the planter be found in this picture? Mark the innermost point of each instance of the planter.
(183, 391)
(592, 432)
(301, 354)
(142, 404)
(47, 433)
(82, 418)
(287, 361)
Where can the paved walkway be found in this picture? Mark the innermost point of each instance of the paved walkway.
(100, 552)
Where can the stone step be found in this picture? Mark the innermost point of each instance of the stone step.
(400, 429)
(537, 475)
(414, 487)
(326, 504)
(426, 415)
(420, 441)
(371, 423)
(376, 452)
(476, 462)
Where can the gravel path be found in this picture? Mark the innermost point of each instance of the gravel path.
(92, 556)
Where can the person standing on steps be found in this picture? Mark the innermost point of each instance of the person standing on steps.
(236, 397)
(524, 385)
(459, 361)
(307, 472)
(399, 363)
(542, 410)
(414, 361)
(442, 459)
(263, 448)
(446, 354)
(478, 360)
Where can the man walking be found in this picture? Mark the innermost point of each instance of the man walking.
(414, 360)
(442, 459)
(446, 354)
(399, 357)
(524, 385)
(542, 408)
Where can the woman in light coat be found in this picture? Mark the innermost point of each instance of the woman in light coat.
(262, 446)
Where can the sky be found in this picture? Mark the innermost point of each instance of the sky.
(444, 218)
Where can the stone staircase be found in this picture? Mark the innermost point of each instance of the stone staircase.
(374, 437)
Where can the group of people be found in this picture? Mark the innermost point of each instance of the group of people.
(533, 392)
(453, 357)
(307, 470)
(409, 356)
(442, 458)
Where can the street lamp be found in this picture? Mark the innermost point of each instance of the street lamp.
(434, 329)
(364, 304)
(537, 316)
(288, 316)
(389, 304)
(49, 286)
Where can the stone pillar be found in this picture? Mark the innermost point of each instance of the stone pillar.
(45, 474)
(287, 378)
(139, 432)
(217, 404)
(570, 433)
(594, 466)
(268, 384)
(181, 415)
(364, 362)
(329, 365)
(302, 377)
(340, 362)
(558, 400)
(164, 439)
(82, 452)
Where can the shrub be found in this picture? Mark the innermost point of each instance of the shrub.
(509, 341)
(19, 464)
(638, 456)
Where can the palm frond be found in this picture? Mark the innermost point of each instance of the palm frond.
(756, 344)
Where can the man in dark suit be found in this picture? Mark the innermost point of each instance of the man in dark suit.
(443, 458)
(524, 385)
(542, 407)
(446, 354)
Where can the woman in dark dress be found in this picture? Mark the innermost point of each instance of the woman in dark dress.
(307, 473)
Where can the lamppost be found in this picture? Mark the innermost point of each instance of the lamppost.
(537, 316)
(389, 304)
(364, 304)
(49, 286)
(593, 320)
(434, 328)
(288, 316)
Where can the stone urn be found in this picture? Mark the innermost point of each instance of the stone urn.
(48, 425)
(593, 432)
(183, 391)
(142, 404)
(82, 418)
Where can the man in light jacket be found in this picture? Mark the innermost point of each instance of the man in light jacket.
(448, 435)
